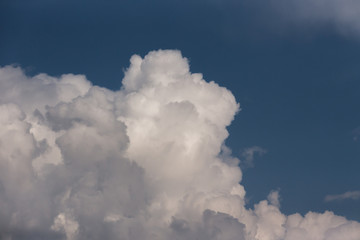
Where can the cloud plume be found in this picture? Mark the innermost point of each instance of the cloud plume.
(79, 161)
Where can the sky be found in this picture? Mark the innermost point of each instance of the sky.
(284, 100)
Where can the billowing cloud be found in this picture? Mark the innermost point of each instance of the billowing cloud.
(354, 195)
(79, 161)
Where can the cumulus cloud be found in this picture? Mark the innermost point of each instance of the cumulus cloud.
(79, 161)
(354, 195)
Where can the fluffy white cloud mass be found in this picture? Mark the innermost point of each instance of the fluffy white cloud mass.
(146, 162)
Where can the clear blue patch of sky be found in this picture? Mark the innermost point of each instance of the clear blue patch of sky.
(298, 85)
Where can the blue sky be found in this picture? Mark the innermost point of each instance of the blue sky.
(295, 75)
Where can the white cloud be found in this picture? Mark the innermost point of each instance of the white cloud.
(146, 162)
(354, 195)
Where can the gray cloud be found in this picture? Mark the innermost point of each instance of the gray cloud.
(354, 195)
(343, 15)
(356, 133)
(146, 162)
(249, 155)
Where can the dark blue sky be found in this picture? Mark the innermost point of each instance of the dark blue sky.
(298, 82)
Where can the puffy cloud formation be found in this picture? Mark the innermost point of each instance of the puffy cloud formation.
(354, 195)
(146, 162)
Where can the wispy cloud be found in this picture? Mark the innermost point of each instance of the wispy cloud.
(354, 195)
(343, 15)
(356, 133)
(249, 155)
